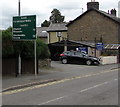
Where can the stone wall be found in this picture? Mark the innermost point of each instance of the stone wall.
(92, 25)
(44, 63)
(108, 60)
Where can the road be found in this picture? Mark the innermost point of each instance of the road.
(82, 85)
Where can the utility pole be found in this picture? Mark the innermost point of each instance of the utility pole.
(19, 57)
(19, 8)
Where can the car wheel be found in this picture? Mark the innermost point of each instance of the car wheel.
(64, 61)
(88, 62)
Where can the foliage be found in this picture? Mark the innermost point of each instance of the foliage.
(18, 46)
(42, 50)
(7, 46)
(56, 16)
(25, 48)
(45, 24)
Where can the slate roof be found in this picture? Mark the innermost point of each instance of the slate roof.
(41, 31)
(57, 27)
(73, 43)
(112, 17)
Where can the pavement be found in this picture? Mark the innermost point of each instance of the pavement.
(45, 75)
(25, 80)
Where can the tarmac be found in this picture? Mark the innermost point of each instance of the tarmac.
(45, 75)
(25, 80)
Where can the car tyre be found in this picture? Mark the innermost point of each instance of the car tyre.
(64, 61)
(88, 62)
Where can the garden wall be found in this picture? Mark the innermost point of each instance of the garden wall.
(109, 59)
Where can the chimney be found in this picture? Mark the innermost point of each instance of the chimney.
(93, 4)
(113, 12)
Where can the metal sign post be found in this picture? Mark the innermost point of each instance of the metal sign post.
(19, 58)
(35, 59)
(24, 29)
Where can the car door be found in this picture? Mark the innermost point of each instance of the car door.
(80, 57)
(71, 56)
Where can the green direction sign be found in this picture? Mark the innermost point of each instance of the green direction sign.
(24, 27)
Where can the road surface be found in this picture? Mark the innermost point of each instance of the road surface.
(83, 85)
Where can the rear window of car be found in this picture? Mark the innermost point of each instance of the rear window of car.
(78, 54)
(69, 53)
(66, 53)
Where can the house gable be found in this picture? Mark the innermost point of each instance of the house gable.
(111, 17)
(57, 32)
(94, 24)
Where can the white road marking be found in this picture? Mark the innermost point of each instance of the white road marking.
(86, 89)
(116, 79)
(53, 83)
(93, 87)
(52, 100)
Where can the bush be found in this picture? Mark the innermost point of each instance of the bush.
(7, 46)
(25, 48)
(42, 50)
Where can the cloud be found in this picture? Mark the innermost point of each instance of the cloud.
(70, 9)
(119, 9)
(66, 5)
(108, 5)
(42, 9)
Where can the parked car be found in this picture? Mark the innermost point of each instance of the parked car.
(77, 56)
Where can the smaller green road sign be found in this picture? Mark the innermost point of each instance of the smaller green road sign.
(24, 27)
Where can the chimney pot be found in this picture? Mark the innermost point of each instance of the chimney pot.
(113, 12)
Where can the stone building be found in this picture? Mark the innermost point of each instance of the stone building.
(57, 32)
(42, 33)
(95, 24)
(54, 33)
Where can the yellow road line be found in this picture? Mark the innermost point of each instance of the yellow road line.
(52, 83)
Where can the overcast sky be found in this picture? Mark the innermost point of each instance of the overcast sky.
(42, 9)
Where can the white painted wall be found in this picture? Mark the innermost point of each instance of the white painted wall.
(108, 59)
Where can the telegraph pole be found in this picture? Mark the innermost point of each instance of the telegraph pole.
(19, 8)
(19, 57)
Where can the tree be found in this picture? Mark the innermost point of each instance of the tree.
(42, 50)
(56, 16)
(45, 24)
(12, 48)
(7, 46)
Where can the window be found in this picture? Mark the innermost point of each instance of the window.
(58, 34)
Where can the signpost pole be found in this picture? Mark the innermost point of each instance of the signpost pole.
(95, 47)
(19, 57)
(35, 59)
